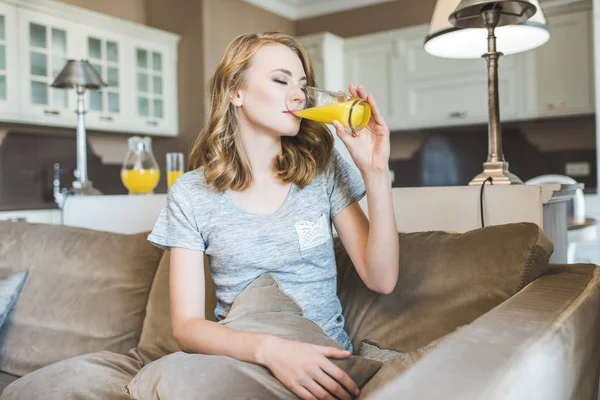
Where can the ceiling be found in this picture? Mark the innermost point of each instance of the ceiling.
(300, 9)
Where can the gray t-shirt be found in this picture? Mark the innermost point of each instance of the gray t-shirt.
(294, 243)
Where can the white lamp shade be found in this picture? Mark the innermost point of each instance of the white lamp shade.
(445, 40)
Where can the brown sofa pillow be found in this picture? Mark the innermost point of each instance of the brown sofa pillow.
(263, 308)
(157, 338)
(86, 292)
(445, 280)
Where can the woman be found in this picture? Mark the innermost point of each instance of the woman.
(263, 190)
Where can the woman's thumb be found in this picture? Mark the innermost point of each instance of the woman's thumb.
(340, 131)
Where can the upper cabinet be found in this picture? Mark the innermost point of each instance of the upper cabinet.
(9, 67)
(374, 61)
(563, 67)
(45, 45)
(416, 90)
(138, 64)
(106, 53)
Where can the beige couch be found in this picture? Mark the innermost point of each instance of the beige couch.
(479, 315)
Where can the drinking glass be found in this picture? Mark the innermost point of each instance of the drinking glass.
(326, 106)
(175, 167)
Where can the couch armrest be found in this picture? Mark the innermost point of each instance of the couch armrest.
(543, 343)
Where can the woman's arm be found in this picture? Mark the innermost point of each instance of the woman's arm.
(372, 244)
(303, 368)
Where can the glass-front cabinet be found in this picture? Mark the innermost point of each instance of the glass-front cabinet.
(138, 64)
(155, 100)
(45, 45)
(9, 100)
(104, 51)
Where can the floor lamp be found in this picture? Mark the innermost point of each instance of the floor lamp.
(458, 29)
(80, 75)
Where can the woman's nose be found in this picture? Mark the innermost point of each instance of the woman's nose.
(297, 95)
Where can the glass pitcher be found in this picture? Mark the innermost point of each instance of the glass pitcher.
(140, 173)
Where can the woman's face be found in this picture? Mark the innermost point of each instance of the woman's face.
(274, 82)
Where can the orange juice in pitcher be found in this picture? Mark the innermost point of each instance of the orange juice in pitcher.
(140, 173)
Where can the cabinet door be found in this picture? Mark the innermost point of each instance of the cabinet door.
(46, 43)
(9, 93)
(104, 51)
(564, 67)
(448, 92)
(375, 63)
(154, 94)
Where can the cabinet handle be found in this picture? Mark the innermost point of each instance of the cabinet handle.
(458, 114)
(153, 123)
(556, 105)
(108, 118)
(51, 112)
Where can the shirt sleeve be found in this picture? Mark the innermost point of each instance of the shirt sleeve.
(344, 183)
(176, 225)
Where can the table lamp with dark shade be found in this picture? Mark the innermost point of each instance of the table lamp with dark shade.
(80, 75)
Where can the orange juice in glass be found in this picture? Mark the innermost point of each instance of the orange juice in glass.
(325, 106)
(174, 167)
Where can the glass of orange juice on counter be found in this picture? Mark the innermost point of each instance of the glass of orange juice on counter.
(174, 167)
(140, 173)
(325, 106)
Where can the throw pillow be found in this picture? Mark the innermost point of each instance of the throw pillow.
(445, 280)
(10, 289)
(263, 308)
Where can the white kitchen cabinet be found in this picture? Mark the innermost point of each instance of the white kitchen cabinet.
(326, 52)
(106, 53)
(9, 70)
(563, 68)
(45, 44)
(154, 95)
(375, 62)
(139, 64)
(446, 92)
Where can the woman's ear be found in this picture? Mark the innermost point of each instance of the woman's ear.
(235, 97)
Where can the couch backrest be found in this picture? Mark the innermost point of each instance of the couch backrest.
(445, 280)
(86, 291)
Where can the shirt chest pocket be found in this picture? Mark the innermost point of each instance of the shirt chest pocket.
(314, 239)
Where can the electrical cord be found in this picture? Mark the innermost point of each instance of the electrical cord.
(489, 178)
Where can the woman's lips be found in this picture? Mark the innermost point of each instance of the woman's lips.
(291, 113)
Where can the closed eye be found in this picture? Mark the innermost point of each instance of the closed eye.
(280, 81)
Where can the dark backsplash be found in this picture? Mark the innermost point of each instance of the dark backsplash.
(454, 156)
(443, 157)
(26, 170)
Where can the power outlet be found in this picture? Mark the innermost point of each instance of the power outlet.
(577, 169)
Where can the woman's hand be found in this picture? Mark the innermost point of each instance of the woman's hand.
(305, 370)
(370, 146)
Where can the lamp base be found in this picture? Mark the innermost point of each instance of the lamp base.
(498, 171)
(84, 189)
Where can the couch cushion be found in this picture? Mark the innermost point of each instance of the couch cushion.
(86, 292)
(157, 338)
(262, 308)
(99, 375)
(5, 380)
(445, 280)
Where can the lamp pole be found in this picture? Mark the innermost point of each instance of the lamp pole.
(495, 166)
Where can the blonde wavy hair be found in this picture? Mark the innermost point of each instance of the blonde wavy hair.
(218, 148)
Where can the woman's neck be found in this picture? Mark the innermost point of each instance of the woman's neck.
(261, 150)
